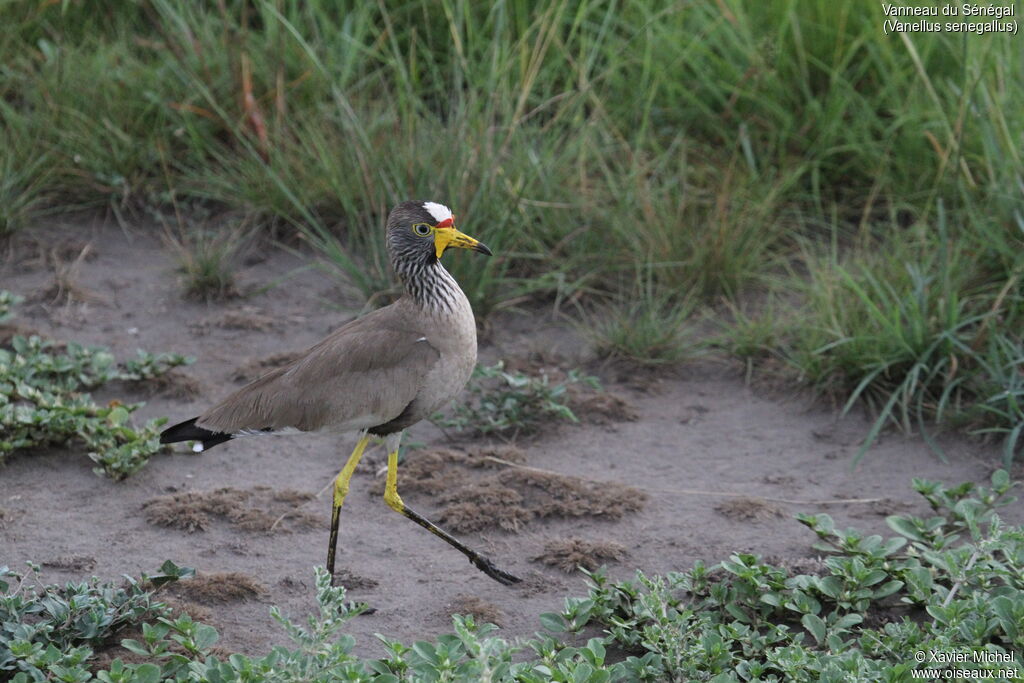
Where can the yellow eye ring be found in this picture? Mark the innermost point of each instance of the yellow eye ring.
(421, 229)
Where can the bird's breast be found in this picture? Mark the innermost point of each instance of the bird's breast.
(456, 344)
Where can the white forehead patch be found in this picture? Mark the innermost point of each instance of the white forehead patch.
(440, 212)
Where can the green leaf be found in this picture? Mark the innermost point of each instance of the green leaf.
(887, 589)
(205, 636)
(737, 613)
(426, 651)
(830, 586)
(847, 620)
(171, 572)
(146, 673)
(940, 614)
(1003, 607)
(815, 626)
(876, 576)
(118, 416)
(904, 526)
(892, 545)
(552, 621)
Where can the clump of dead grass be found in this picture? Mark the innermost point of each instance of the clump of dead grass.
(439, 470)
(353, 581)
(246, 319)
(748, 509)
(73, 563)
(600, 408)
(495, 456)
(512, 496)
(485, 504)
(219, 588)
(483, 612)
(569, 553)
(556, 495)
(260, 509)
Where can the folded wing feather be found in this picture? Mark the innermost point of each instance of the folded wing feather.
(361, 376)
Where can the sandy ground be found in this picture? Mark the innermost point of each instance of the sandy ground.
(649, 484)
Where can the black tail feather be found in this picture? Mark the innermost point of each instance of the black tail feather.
(188, 431)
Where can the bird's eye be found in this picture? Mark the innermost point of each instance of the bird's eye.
(421, 229)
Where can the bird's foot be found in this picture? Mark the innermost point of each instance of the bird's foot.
(487, 567)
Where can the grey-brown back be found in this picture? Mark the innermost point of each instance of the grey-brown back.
(364, 374)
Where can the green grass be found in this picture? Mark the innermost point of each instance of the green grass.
(647, 328)
(849, 201)
(724, 148)
(23, 182)
(207, 260)
(949, 583)
(910, 328)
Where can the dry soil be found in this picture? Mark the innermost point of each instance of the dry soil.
(689, 465)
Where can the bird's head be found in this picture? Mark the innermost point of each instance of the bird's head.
(419, 232)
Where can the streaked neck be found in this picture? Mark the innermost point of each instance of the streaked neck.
(431, 286)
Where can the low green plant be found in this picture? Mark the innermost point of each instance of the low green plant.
(950, 583)
(508, 404)
(44, 402)
(874, 609)
(49, 632)
(180, 649)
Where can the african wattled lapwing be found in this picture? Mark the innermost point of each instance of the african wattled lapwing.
(376, 375)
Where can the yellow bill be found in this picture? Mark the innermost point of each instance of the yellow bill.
(450, 237)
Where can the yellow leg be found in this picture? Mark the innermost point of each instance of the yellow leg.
(391, 496)
(394, 501)
(341, 483)
(340, 491)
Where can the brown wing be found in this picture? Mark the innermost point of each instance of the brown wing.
(363, 375)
